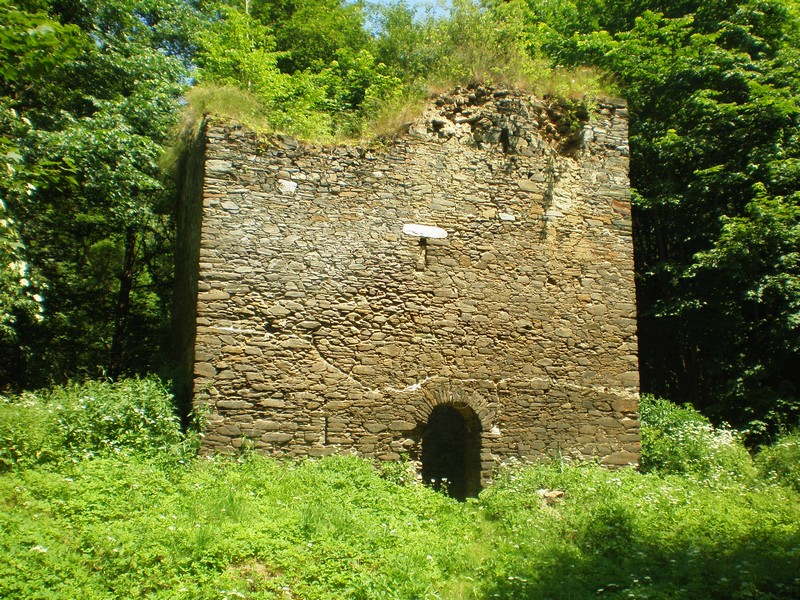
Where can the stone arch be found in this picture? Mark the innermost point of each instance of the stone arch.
(443, 391)
(454, 421)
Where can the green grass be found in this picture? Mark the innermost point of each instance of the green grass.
(130, 520)
(389, 117)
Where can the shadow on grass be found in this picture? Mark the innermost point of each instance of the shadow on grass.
(605, 560)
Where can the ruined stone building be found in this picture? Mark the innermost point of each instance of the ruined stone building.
(461, 294)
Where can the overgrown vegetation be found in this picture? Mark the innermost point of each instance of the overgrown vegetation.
(99, 499)
(99, 494)
(679, 440)
(96, 419)
(779, 462)
(89, 92)
(328, 85)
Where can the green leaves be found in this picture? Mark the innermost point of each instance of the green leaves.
(92, 103)
(32, 45)
(19, 291)
(238, 50)
(755, 267)
(312, 31)
(107, 464)
(133, 417)
(311, 69)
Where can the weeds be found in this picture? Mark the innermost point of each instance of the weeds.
(681, 440)
(226, 101)
(359, 96)
(780, 462)
(128, 519)
(84, 421)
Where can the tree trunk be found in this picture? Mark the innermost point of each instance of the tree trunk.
(123, 305)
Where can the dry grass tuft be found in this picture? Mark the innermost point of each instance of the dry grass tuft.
(226, 101)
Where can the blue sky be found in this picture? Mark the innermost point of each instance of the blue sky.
(435, 7)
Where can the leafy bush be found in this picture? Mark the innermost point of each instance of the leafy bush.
(85, 420)
(29, 434)
(356, 90)
(678, 439)
(781, 461)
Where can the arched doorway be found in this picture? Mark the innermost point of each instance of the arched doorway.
(451, 451)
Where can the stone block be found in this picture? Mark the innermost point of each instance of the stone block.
(277, 437)
(630, 379)
(202, 369)
(219, 166)
(213, 295)
(233, 404)
(620, 458)
(319, 451)
(402, 425)
(296, 343)
(625, 405)
(529, 186)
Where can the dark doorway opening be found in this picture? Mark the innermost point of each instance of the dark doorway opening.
(451, 451)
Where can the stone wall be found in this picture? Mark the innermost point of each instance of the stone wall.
(188, 217)
(322, 327)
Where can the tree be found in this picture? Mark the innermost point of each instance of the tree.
(98, 114)
(332, 92)
(32, 45)
(310, 32)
